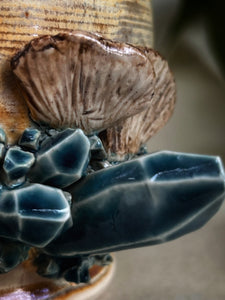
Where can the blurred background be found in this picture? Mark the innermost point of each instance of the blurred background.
(191, 36)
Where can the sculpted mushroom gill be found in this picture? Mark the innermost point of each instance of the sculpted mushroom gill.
(85, 81)
(129, 134)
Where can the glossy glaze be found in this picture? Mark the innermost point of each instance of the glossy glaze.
(142, 202)
(173, 193)
(62, 158)
(104, 203)
(16, 165)
(34, 214)
(30, 139)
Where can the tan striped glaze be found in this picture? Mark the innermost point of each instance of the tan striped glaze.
(126, 21)
(21, 20)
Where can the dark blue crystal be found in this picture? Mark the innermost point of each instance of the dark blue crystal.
(16, 165)
(97, 149)
(2, 151)
(2, 136)
(73, 269)
(146, 201)
(11, 254)
(30, 138)
(34, 214)
(62, 159)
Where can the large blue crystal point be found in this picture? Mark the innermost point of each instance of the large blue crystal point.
(146, 201)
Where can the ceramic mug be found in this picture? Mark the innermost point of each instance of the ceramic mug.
(21, 21)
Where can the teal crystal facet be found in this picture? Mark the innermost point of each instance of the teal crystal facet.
(16, 165)
(62, 159)
(146, 201)
(34, 214)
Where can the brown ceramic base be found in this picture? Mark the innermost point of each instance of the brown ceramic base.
(24, 283)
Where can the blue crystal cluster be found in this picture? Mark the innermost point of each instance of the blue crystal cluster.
(59, 193)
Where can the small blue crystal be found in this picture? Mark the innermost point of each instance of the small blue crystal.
(11, 254)
(62, 159)
(146, 201)
(2, 151)
(34, 214)
(2, 136)
(78, 273)
(16, 165)
(97, 149)
(30, 138)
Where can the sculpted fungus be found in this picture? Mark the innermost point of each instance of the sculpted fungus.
(83, 80)
(128, 135)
